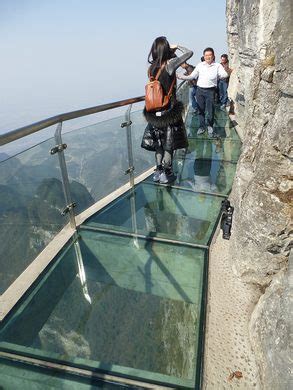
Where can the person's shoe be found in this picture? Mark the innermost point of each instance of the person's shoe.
(157, 174)
(166, 177)
(200, 131)
(210, 131)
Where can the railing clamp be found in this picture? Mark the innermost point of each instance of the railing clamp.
(129, 170)
(58, 148)
(126, 124)
(68, 208)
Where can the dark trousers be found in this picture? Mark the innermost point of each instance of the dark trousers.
(206, 105)
(223, 86)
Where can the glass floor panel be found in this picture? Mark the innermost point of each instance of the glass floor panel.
(193, 121)
(219, 132)
(223, 127)
(208, 148)
(204, 175)
(164, 212)
(127, 306)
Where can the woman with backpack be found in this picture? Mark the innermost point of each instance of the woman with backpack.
(165, 131)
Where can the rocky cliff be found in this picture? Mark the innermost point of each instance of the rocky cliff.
(261, 86)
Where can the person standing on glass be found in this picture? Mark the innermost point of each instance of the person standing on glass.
(166, 125)
(207, 73)
(223, 83)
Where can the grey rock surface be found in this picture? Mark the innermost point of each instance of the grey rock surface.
(271, 332)
(261, 86)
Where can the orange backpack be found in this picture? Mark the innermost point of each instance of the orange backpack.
(155, 99)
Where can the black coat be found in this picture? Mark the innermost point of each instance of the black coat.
(167, 130)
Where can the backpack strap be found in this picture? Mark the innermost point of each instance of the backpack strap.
(171, 88)
(173, 82)
(157, 77)
(159, 72)
(152, 78)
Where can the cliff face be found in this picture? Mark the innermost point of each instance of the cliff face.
(261, 86)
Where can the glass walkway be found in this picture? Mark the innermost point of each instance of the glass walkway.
(123, 302)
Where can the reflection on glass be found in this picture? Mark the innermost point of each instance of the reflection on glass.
(223, 126)
(96, 159)
(219, 149)
(163, 212)
(81, 271)
(31, 201)
(143, 159)
(203, 173)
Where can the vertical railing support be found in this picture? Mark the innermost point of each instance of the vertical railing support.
(130, 169)
(127, 124)
(59, 148)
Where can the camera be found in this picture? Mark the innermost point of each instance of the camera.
(226, 220)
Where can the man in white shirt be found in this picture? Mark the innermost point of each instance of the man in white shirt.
(207, 74)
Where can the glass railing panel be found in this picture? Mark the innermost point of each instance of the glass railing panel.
(143, 159)
(96, 159)
(31, 201)
(13, 148)
(183, 93)
(163, 212)
(141, 314)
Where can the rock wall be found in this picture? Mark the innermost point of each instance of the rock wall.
(261, 86)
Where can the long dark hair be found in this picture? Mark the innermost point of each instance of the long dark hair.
(160, 52)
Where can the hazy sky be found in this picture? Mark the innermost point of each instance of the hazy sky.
(63, 55)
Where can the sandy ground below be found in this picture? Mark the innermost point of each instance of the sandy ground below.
(230, 304)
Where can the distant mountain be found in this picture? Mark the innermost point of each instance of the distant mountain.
(29, 223)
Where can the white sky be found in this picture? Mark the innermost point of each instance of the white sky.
(59, 56)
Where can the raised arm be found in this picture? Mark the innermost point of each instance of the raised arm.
(175, 62)
(191, 76)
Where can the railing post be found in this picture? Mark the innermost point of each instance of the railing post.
(59, 148)
(130, 169)
(127, 124)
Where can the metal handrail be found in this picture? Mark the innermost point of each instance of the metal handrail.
(34, 127)
(13, 135)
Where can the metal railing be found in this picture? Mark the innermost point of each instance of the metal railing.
(34, 127)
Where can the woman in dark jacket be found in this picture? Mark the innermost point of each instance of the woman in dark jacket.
(166, 125)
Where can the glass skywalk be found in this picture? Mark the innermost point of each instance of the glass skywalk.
(139, 315)
(126, 296)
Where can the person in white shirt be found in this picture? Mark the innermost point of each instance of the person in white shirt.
(207, 74)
